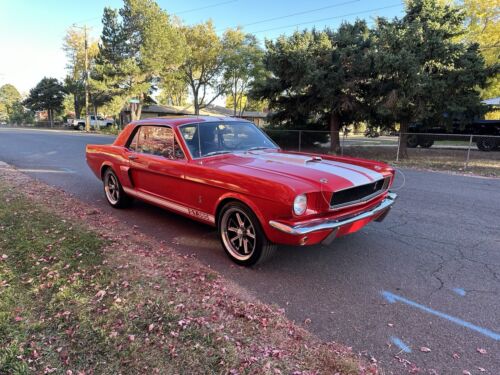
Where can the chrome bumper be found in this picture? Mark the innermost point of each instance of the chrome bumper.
(317, 225)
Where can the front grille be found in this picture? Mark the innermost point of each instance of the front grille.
(358, 194)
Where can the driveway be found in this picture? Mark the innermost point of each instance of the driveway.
(420, 290)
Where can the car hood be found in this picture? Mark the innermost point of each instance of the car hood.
(287, 167)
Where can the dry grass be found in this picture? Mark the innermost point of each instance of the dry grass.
(437, 159)
(79, 291)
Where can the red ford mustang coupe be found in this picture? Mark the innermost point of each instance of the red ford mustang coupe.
(227, 173)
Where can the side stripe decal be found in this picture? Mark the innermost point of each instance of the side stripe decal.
(170, 205)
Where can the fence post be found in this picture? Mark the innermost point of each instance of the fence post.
(300, 140)
(399, 145)
(468, 153)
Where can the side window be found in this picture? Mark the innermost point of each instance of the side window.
(133, 143)
(156, 140)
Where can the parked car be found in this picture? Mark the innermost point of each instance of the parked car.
(227, 173)
(95, 122)
(486, 134)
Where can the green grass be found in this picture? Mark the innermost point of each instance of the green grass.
(54, 314)
(71, 300)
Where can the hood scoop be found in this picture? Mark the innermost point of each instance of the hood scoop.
(314, 159)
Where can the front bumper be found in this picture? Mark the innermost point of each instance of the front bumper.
(334, 224)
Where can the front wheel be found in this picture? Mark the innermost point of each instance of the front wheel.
(241, 235)
(113, 190)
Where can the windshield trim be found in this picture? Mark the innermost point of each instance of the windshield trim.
(276, 147)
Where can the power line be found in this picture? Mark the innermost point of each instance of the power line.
(173, 14)
(205, 7)
(327, 19)
(294, 14)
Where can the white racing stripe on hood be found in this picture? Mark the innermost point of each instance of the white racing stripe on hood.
(374, 176)
(356, 178)
(356, 174)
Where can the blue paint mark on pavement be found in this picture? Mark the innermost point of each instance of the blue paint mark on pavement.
(459, 291)
(392, 298)
(400, 344)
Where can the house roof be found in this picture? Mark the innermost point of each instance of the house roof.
(211, 110)
(183, 119)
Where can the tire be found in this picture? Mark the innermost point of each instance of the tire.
(486, 144)
(236, 225)
(425, 143)
(412, 141)
(81, 127)
(113, 190)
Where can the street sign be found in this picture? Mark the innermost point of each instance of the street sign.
(134, 101)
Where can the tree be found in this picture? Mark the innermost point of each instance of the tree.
(74, 48)
(423, 70)
(48, 95)
(138, 43)
(319, 77)
(174, 88)
(8, 96)
(244, 64)
(483, 28)
(204, 64)
(19, 115)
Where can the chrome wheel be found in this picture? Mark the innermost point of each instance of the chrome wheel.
(112, 188)
(238, 234)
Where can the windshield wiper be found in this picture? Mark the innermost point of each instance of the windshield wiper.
(217, 153)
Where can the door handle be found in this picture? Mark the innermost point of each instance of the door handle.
(132, 157)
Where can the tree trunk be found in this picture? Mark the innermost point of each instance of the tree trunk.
(51, 118)
(334, 133)
(196, 106)
(78, 107)
(403, 136)
(135, 111)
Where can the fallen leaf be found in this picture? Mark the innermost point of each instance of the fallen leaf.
(4, 256)
(456, 355)
(481, 369)
(151, 327)
(425, 349)
(100, 294)
(465, 372)
(481, 350)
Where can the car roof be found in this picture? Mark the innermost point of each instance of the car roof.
(182, 120)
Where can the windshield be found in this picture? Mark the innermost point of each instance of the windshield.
(212, 138)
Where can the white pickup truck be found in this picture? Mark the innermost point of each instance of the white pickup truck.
(95, 122)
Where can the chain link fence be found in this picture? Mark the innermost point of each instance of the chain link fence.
(452, 152)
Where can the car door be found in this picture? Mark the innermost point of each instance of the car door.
(157, 163)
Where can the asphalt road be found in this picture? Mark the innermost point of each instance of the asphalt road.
(428, 276)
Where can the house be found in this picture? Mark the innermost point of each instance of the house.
(156, 110)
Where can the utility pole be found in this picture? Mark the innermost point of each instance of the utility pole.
(86, 76)
(87, 115)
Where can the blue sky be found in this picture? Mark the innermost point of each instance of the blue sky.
(31, 31)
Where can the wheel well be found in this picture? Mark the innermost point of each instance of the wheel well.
(222, 203)
(104, 168)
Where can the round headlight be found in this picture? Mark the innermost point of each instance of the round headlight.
(300, 204)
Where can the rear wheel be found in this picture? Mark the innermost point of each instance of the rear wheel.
(412, 141)
(241, 235)
(113, 190)
(425, 143)
(486, 144)
(81, 126)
